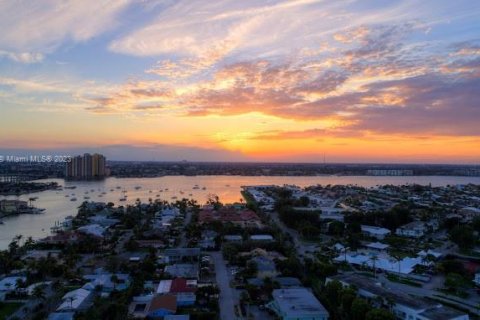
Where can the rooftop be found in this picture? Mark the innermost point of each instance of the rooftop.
(297, 302)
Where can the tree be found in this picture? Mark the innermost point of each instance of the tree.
(379, 314)
(463, 236)
(114, 279)
(374, 260)
(229, 251)
(38, 292)
(360, 308)
(455, 282)
(336, 228)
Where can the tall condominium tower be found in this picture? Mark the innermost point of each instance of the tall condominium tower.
(86, 167)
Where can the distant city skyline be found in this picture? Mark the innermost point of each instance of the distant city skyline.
(288, 81)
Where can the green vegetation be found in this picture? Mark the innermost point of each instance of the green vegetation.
(7, 309)
(343, 304)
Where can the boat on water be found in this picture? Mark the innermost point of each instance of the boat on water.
(73, 199)
(118, 187)
(122, 199)
(67, 195)
(1, 222)
(204, 188)
(138, 188)
(196, 187)
(35, 211)
(70, 187)
(174, 197)
(86, 198)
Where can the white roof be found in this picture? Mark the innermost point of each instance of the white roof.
(93, 229)
(377, 245)
(433, 253)
(164, 286)
(375, 230)
(73, 299)
(385, 263)
(261, 237)
(10, 283)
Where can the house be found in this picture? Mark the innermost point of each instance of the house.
(469, 213)
(414, 229)
(107, 281)
(183, 270)
(93, 229)
(297, 303)
(153, 306)
(284, 282)
(243, 218)
(233, 238)
(175, 255)
(182, 288)
(41, 254)
(12, 206)
(177, 317)
(61, 316)
(377, 246)
(208, 240)
(163, 305)
(375, 232)
(404, 306)
(8, 285)
(477, 279)
(380, 261)
(75, 300)
(265, 267)
(261, 237)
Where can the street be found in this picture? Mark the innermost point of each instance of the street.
(228, 297)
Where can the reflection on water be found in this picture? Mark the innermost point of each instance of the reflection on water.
(58, 204)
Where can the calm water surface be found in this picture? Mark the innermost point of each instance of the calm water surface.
(58, 206)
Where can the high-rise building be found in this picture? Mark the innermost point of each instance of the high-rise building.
(86, 167)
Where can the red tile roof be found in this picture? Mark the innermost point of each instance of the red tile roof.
(166, 302)
(226, 214)
(179, 285)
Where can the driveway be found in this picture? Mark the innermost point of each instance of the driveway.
(227, 298)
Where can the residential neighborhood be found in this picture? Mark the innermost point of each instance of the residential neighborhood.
(283, 252)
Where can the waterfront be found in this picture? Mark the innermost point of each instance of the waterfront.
(58, 206)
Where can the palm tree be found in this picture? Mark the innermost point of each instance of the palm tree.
(398, 258)
(114, 279)
(374, 259)
(38, 292)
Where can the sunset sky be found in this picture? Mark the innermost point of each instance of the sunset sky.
(249, 80)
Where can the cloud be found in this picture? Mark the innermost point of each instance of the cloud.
(374, 85)
(33, 28)
(23, 57)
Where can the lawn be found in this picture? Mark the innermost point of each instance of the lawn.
(6, 309)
